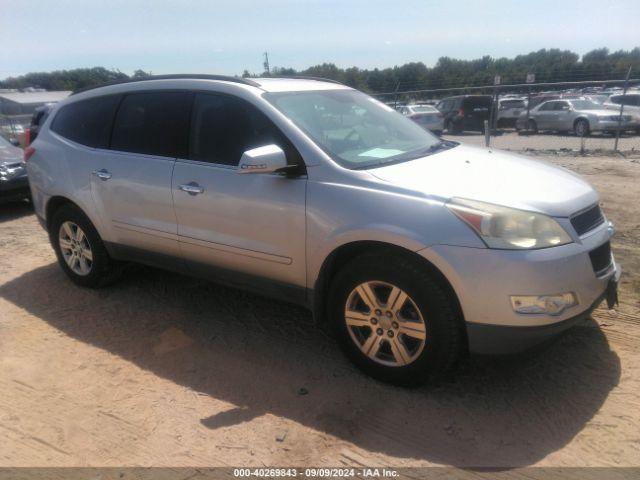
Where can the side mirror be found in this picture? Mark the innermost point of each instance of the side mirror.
(267, 159)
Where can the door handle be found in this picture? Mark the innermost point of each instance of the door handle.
(102, 174)
(192, 188)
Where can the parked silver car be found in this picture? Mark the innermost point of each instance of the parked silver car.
(412, 249)
(580, 116)
(427, 116)
(631, 102)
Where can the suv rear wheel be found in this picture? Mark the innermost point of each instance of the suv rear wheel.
(80, 250)
(393, 321)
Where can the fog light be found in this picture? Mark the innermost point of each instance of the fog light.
(546, 304)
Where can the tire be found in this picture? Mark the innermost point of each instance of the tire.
(532, 126)
(581, 128)
(442, 329)
(95, 271)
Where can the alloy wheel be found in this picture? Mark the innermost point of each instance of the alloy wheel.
(75, 248)
(581, 128)
(385, 323)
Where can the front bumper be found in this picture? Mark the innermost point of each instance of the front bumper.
(612, 125)
(14, 189)
(433, 125)
(485, 279)
(504, 340)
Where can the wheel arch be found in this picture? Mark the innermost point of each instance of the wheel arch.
(575, 121)
(341, 255)
(55, 202)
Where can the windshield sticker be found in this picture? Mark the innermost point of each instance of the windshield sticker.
(381, 153)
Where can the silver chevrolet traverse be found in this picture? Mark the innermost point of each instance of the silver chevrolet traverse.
(412, 249)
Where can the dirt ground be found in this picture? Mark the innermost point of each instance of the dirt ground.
(165, 370)
(511, 140)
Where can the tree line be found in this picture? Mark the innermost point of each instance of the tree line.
(548, 65)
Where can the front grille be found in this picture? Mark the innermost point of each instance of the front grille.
(601, 258)
(588, 220)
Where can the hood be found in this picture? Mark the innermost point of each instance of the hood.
(495, 177)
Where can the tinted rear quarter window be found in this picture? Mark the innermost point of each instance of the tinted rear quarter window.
(87, 122)
(477, 103)
(154, 123)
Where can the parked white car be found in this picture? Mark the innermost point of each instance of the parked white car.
(427, 116)
(509, 109)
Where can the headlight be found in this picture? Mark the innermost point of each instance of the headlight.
(8, 172)
(509, 228)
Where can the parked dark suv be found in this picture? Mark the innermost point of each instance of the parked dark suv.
(37, 119)
(465, 112)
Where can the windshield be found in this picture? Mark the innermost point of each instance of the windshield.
(598, 98)
(356, 130)
(585, 105)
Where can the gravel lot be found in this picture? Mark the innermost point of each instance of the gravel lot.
(511, 140)
(165, 370)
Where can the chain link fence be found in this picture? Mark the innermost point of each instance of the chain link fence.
(586, 117)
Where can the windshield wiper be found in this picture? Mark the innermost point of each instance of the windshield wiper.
(436, 147)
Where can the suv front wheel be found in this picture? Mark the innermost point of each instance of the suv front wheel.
(393, 320)
(80, 250)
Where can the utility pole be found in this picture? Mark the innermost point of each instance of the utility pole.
(395, 100)
(266, 63)
(531, 78)
(624, 93)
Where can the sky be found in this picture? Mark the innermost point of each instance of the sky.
(227, 37)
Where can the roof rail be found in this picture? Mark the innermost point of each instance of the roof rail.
(304, 77)
(173, 77)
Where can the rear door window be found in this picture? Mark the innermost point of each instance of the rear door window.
(477, 104)
(87, 122)
(154, 123)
